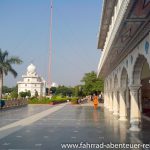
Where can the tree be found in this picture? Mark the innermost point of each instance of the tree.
(25, 94)
(64, 91)
(14, 94)
(29, 93)
(78, 91)
(36, 93)
(6, 63)
(6, 89)
(53, 90)
(92, 83)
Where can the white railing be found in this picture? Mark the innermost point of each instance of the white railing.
(120, 10)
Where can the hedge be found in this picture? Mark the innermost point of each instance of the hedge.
(54, 100)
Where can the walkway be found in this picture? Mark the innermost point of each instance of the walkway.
(51, 126)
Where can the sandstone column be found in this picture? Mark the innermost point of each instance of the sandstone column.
(107, 103)
(110, 102)
(115, 104)
(135, 117)
(123, 111)
(105, 99)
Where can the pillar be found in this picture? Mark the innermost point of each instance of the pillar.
(135, 114)
(140, 100)
(115, 104)
(127, 99)
(122, 107)
(110, 102)
(105, 99)
(127, 102)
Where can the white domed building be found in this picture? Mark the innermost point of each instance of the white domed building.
(54, 84)
(32, 82)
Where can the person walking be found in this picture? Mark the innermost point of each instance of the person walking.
(95, 101)
(100, 97)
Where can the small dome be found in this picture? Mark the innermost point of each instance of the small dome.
(31, 69)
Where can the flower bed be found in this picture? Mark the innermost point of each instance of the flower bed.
(13, 103)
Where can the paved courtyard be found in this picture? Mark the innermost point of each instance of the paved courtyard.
(46, 127)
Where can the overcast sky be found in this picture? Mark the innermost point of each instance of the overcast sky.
(24, 32)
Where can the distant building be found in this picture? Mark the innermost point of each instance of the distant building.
(32, 82)
(54, 85)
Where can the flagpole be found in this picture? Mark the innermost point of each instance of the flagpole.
(50, 47)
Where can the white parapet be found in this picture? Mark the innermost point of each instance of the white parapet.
(117, 18)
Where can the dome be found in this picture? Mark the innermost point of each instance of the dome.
(31, 69)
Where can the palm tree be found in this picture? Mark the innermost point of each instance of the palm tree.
(6, 63)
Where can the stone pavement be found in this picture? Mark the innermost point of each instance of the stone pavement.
(52, 126)
(11, 115)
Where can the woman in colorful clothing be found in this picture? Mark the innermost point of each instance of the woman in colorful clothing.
(95, 101)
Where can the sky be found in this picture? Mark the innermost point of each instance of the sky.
(24, 32)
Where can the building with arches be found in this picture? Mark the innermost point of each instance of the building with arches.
(32, 82)
(124, 39)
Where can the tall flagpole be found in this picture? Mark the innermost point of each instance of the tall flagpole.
(50, 48)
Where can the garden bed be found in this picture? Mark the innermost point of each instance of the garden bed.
(53, 101)
(13, 103)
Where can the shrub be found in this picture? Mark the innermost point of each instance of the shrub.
(55, 100)
(35, 100)
(22, 94)
(14, 94)
(25, 94)
(9, 97)
(74, 100)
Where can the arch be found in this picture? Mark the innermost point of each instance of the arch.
(124, 78)
(106, 84)
(115, 82)
(140, 81)
(141, 77)
(110, 83)
(123, 95)
(137, 69)
(116, 97)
